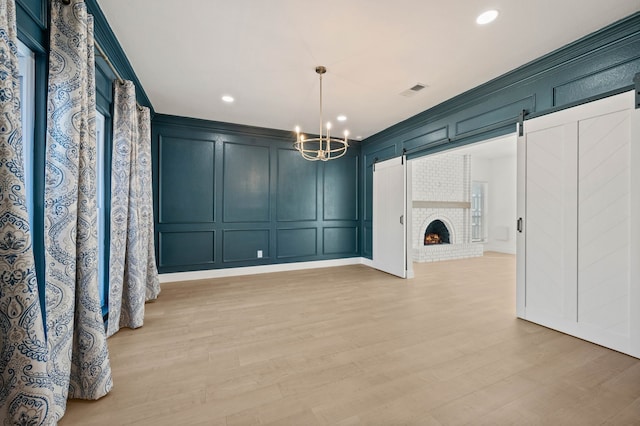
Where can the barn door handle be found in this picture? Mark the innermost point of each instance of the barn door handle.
(402, 219)
(520, 224)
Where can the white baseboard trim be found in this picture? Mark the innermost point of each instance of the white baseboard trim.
(262, 269)
(366, 262)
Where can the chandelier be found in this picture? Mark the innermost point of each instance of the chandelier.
(324, 147)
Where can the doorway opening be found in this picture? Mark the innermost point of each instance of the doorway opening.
(464, 201)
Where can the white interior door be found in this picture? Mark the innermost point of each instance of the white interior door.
(580, 204)
(551, 224)
(521, 264)
(605, 225)
(389, 214)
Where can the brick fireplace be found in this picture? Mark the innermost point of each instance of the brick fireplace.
(441, 188)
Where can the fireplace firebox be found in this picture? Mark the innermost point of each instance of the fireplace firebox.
(436, 233)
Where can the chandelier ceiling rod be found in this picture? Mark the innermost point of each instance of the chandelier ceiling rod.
(321, 70)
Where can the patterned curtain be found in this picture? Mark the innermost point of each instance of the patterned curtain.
(25, 389)
(78, 357)
(133, 277)
(152, 282)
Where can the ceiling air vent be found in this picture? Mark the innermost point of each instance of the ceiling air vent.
(413, 90)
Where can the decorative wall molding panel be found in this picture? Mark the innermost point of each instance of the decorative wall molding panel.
(232, 196)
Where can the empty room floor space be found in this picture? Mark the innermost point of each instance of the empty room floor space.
(354, 346)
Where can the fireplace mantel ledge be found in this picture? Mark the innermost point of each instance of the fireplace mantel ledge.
(441, 205)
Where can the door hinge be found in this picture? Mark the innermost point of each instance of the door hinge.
(519, 225)
(402, 219)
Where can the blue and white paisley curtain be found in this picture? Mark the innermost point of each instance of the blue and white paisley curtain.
(25, 388)
(133, 277)
(150, 271)
(78, 357)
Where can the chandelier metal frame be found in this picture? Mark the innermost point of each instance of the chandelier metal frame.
(323, 147)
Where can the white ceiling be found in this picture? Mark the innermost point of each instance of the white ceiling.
(189, 53)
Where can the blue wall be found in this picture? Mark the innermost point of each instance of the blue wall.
(601, 64)
(223, 191)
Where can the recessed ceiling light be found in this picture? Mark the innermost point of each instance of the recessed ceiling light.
(341, 118)
(487, 17)
(227, 98)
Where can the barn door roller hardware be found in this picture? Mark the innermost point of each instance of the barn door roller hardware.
(521, 117)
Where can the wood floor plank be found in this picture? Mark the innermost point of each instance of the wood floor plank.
(355, 346)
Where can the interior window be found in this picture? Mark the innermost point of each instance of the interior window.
(27, 63)
(478, 214)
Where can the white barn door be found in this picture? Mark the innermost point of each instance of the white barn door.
(389, 217)
(606, 191)
(580, 208)
(551, 224)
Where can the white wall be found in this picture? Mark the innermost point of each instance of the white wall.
(500, 175)
(480, 169)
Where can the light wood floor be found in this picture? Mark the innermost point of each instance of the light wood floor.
(354, 346)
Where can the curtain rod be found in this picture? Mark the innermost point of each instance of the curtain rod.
(104, 56)
(108, 61)
(113, 68)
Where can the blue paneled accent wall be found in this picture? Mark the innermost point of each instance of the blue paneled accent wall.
(601, 64)
(225, 192)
